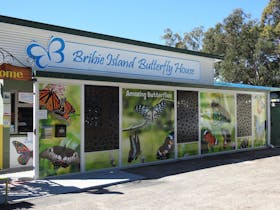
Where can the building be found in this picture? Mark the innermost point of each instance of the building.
(75, 101)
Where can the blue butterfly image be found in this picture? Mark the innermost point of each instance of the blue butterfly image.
(44, 56)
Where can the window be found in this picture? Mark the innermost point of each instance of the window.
(25, 119)
(21, 112)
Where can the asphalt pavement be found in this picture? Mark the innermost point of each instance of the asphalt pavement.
(188, 177)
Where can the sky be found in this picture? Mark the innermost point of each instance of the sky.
(142, 20)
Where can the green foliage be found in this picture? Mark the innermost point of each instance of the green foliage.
(191, 41)
(251, 49)
(187, 149)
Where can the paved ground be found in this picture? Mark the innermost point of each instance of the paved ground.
(246, 180)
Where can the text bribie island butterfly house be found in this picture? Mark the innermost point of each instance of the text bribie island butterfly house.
(74, 101)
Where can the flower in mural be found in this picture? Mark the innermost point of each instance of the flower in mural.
(44, 56)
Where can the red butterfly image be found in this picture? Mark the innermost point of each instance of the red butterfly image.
(50, 100)
(25, 153)
(210, 139)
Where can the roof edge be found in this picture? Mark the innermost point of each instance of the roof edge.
(45, 26)
(138, 81)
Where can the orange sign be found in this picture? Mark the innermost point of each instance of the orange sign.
(8, 71)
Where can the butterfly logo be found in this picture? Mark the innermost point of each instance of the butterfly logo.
(44, 56)
(50, 100)
(151, 113)
(24, 153)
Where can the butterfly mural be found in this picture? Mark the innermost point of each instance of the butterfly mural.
(151, 113)
(65, 109)
(244, 144)
(260, 104)
(45, 56)
(165, 149)
(220, 114)
(135, 148)
(259, 128)
(24, 152)
(61, 156)
(226, 136)
(50, 100)
(210, 139)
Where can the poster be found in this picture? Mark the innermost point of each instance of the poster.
(60, 130)
(21, 151)
(147, 126)
(217, 122)
(259, 119)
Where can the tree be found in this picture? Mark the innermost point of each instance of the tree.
(250, 48)
(268, 47)
(191, 41)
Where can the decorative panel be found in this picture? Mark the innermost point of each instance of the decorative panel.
(187, 116)
(244, 115)
(101, 118)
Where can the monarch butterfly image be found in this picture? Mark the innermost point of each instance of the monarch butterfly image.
(24, 153)
(65, 109)
(165, 149)
(61, 156)
(151, 113)
(49, 99)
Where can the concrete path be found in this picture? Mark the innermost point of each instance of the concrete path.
(23, 187)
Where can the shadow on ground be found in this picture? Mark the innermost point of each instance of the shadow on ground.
(182, 166)
(19, 205)
(96, 182)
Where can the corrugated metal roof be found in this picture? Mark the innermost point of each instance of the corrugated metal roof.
(33, 24)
